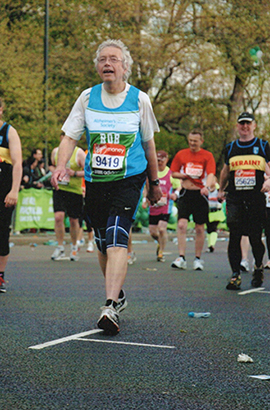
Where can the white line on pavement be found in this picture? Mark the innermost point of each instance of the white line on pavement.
(245, 292)
(65, 339)
(80, 336)
(264, 291)
(126, 343)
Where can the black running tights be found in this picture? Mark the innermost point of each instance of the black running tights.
(234, 248)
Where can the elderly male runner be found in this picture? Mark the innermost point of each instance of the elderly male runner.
(243, 178)
(120, 125)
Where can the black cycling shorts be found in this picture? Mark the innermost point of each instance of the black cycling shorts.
(121, 198)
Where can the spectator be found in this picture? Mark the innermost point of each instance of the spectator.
(31, 173)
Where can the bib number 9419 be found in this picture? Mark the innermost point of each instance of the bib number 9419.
(108, 156)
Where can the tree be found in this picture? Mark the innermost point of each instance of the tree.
(192, 57)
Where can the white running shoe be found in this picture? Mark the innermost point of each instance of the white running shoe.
(58, 254)
(80, 243)
(74, 255)
(131, 258)
(198, 264)
(179, 263)
(121, 303)
(244, 265)
(109, 320)
(90, 247)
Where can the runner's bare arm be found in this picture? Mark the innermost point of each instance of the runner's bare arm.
(66, 149)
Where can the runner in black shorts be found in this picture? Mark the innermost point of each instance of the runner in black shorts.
(68, 200)
(243, 178)
(193, 165)
(119, 123)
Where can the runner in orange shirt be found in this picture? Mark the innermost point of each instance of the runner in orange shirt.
(193, 166)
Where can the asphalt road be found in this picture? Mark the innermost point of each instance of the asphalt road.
(161, 359)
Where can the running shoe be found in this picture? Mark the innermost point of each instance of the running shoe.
(131, 258)
(179, 263)
(3, 288)
(198, 264)
(160, 257)
(58, 254)
(109, 320)
(80, 243)
(267, 265)
(90, 247)
(244, 265)
(158, 248)
(210, 249)
(122, 302)
(74, 257)
(257, 277)
(235, 282)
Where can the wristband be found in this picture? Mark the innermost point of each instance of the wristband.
(154, 182)
(75, 174)
(176, 193)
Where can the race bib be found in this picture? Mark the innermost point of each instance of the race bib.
(194, 171)
(245, 179)
(108, 157)
(163, 200)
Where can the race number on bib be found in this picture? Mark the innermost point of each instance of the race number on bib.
(194, 171)
(108, 156)
(245, 178)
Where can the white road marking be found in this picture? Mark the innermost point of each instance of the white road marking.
(64, 258)
(245, 292)
(65, 339)
(80, 336)
(126, 343)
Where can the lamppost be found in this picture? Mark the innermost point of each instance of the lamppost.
(46, 65)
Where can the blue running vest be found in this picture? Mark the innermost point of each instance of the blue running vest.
(115, 148)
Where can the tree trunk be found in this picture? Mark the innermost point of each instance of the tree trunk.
(235, 107)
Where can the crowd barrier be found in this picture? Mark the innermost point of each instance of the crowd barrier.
(34, 209)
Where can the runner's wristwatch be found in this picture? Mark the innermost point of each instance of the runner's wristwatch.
(154, 182)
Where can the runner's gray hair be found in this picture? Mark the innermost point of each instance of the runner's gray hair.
(127, 59)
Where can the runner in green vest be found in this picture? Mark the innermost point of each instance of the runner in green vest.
(68, 200)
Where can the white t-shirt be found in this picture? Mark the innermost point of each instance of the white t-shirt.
(74, 125)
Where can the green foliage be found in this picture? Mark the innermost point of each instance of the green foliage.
(193, 58)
